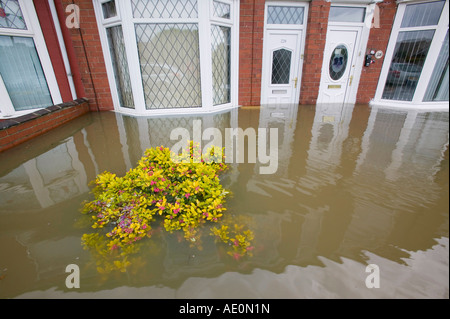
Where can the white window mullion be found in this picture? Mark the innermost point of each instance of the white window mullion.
(204, 30)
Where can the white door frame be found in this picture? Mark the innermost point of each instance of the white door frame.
(360, 47)
(266, 61)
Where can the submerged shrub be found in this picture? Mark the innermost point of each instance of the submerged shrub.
(182, 192)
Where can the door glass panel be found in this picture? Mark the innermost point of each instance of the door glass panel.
(281, 66)
(120, 66)
(347, 14)
(170, 64)
(338, 62)
(438, 86)
(422, 14)
(408, 59)
(285, 15)
(10, 15)
(221, 63)
(22, 73)
(164, 9)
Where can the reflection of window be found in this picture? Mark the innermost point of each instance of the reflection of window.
(415, 38)
(338, 62)
(281, 66)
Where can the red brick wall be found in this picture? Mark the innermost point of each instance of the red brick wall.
(88, 50)
(250, 51)
(378, 40)
(315, 44)
(54, 50)
(18, 130)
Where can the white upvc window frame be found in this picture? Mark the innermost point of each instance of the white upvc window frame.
(427, 70)
(33, 31)
(205, 20)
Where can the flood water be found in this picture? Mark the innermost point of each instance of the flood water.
(355, 185)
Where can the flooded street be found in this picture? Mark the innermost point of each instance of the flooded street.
(355, 185)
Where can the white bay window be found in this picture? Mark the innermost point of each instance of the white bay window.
(170, 57)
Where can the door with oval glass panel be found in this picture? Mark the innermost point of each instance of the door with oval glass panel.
(338, 69)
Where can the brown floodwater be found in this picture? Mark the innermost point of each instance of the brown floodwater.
(355, 185)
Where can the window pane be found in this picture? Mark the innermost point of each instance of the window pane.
(221, 10)
(347, 14)
(170, 64)
(438, 87)
(221, 63)
(109, 9)
(22, 73)
(409, 57)
(284, 15)
(165, 9)
(281, 66)
(422, 14)
(11, 15)
(338, 62)
(120, 66)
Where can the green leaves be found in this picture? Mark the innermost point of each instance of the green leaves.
(177, 194)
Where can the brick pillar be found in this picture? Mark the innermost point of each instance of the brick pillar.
(251, 34)
(88, 49)
(314, 47)
(378, 40)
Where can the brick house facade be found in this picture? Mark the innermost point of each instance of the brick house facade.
(76, 53)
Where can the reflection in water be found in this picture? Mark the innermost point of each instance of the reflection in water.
(354, 185)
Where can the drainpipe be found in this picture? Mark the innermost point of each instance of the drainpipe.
(72, 57)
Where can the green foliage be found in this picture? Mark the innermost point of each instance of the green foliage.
(182, 192)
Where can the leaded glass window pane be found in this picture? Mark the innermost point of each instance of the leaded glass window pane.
(120, 66)
(165, 9)
(285, 15)
(338, 62)
(422, 14)
(221, 10)
(438, 86)
(406, 66)
(10, 15)
(22, 73)
(170, 64)
(281, 66)
(221, 63)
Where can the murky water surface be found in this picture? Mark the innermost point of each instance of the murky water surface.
(355, 186)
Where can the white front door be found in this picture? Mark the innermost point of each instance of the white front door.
(339, 61)
(281, 83)
(284, 37)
